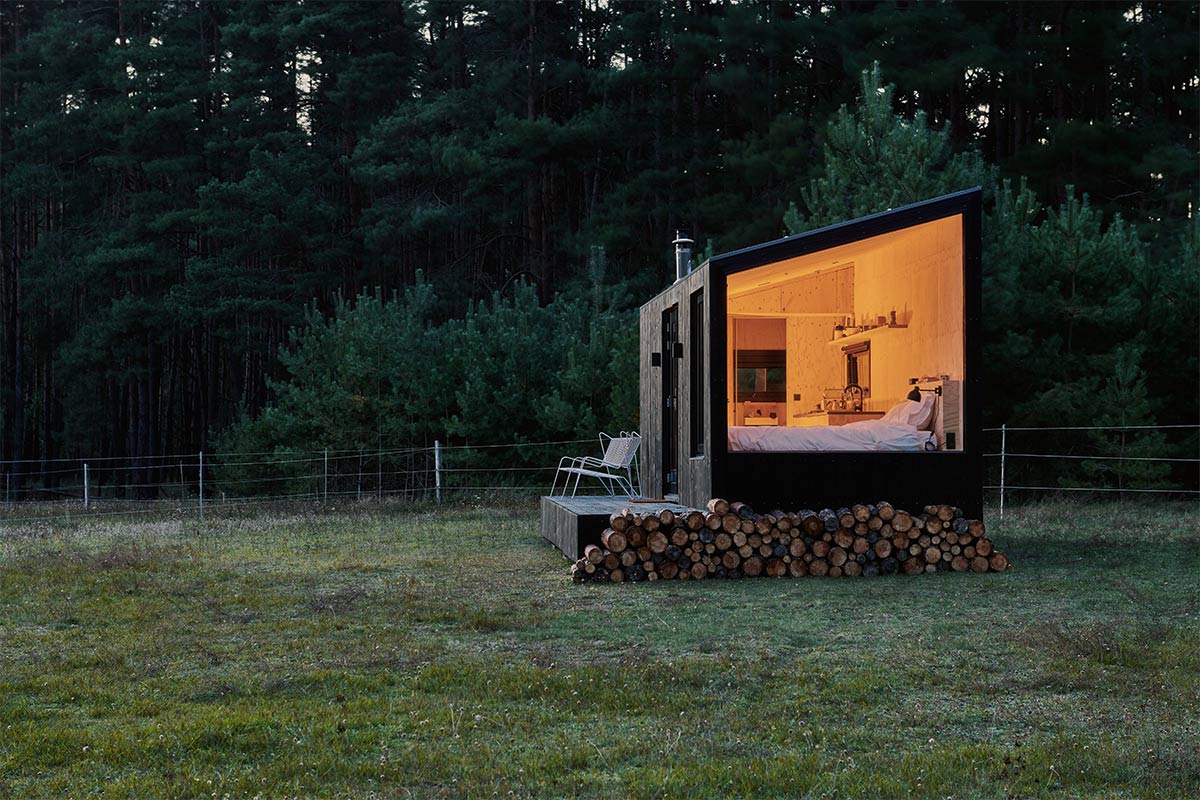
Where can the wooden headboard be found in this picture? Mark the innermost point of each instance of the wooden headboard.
(948, 416)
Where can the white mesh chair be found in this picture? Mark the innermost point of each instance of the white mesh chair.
(616, 470)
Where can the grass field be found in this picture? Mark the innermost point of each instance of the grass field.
(447, 654)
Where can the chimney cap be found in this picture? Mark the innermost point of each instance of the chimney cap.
(681, 239)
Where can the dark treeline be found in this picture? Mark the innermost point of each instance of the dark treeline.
(184, 181)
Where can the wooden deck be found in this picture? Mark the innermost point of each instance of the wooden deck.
(572, 523)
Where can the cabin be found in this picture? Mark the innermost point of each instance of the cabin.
(833, 367)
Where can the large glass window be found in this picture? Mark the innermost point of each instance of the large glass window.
(837, 337)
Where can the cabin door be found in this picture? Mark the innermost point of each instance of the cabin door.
(670, 399)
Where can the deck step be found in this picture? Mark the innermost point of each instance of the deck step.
(572, 523)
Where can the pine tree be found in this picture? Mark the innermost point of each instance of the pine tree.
(875, 159)
(1124, 403)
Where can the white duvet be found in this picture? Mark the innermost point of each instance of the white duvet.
(876, 434)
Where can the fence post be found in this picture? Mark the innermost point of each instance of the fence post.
(360, 473)
(325, 489)
(1003, 449)
(201, 486)
(85, 485)
(379, 471)
(437, 470)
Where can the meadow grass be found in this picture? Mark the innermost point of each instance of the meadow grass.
(445, 653)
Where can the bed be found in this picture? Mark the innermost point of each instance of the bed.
(903, 429)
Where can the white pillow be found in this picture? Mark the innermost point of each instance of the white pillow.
(899, 413)
(910, 412)
(928, 411)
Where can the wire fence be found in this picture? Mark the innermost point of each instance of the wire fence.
(1093, 459)
(204, 482)
(197, 483)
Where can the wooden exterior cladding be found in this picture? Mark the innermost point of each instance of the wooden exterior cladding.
(792, 480)
(693, 471)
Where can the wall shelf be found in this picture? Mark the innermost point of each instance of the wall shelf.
(863, 336)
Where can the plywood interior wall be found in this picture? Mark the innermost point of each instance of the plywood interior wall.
(916, 272)
(920, 275)
(812, 366)
(759, 333)
(828, 290)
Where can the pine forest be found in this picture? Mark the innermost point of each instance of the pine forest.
(255, 226)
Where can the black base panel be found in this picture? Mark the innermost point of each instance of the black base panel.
(792, 481)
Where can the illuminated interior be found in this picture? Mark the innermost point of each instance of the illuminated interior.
(836, 337)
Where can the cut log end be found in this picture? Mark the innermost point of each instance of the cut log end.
(613, 540)
(718, 506)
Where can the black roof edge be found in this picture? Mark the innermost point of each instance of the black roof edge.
(844, 232)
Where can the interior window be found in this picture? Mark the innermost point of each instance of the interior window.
(761, 376)
(858, 366)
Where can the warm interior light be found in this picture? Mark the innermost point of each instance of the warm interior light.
(873, 313)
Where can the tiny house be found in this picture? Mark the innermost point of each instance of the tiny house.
(833, 367)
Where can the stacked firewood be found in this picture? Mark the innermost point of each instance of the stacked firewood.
(729, 540)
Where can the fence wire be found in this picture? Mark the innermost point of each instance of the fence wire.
(1133, 471)
(193, 482)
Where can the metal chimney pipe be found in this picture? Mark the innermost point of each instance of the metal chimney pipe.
(683, 256)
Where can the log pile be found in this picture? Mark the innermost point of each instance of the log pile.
(729, 540)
